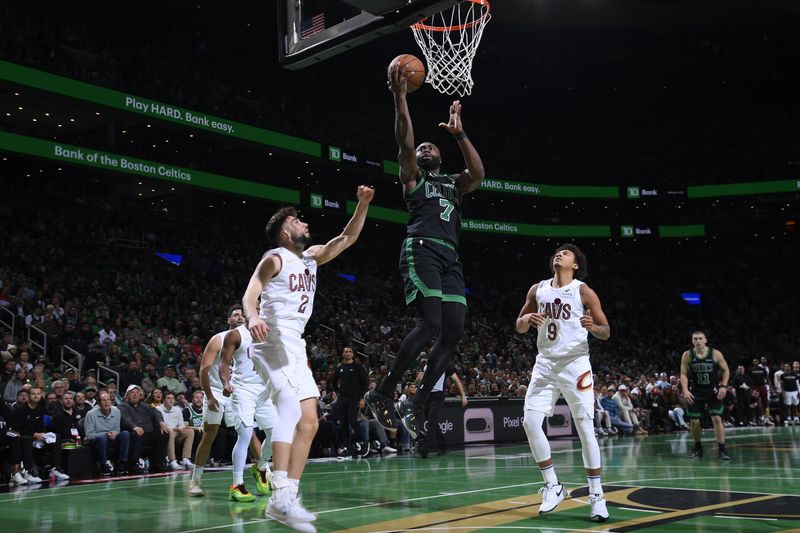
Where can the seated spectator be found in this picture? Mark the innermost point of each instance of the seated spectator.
(155, 399)
(36, 441)
(104, 432)
(90, 396)
(73, 382)
(132, 375)
(179, 432)
(14, 386)
(149, 380)
(67, 421)
(111, 387)
(610, 405)
(147, 428)
(659, 411)
(81, 407)
(170, 382)
(626, 411)
(10, 438)
(676, 411)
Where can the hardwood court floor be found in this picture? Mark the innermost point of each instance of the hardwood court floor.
(649, 483)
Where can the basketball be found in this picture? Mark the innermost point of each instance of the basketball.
(416, 67)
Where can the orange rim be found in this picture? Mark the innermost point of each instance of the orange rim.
(420, 26)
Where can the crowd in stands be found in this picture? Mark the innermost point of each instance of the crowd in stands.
(141, 325)
(586, 118)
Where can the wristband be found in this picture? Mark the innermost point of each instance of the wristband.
(460, 136)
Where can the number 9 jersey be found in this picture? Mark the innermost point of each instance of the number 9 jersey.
(561, 336)
(288, 298)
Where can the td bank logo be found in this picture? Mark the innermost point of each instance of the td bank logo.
(334, 153)
(316, 201)
(627, 231)
(633, 192)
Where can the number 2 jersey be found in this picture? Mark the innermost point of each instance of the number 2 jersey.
(288, 298)
(434, 208)
(561, 336)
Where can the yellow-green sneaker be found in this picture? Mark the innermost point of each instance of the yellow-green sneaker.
(239, 494)
(262, 479)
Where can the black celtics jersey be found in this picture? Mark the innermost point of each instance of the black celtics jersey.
(703, 377)
(434, 208)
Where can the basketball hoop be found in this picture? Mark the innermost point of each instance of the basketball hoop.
(449, 41)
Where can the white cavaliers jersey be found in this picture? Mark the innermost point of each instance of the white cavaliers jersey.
(288, 299)
(213, 374)
(561, 336)
(244, 373)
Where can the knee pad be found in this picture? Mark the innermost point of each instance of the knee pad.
(287, 406)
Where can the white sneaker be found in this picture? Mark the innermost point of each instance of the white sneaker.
(195, 489)
(597, 505)
(285, 506)
(552, 495)
(18, 479)
(187, 464)
(796, 420)
(174, 465)
(31, 478)
(59, 475)
(389, 449)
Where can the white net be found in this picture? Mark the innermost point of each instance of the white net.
(449, 41)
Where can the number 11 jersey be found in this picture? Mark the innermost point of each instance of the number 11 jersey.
(561, 336)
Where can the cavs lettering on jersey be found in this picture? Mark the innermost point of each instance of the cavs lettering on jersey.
(243, 370)
(561, 336)
(213, 374)
(434, 208)
(288, 299)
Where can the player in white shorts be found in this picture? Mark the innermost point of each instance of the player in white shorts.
(286, 281)
(250, 405)
(564, 310)
(215, 404)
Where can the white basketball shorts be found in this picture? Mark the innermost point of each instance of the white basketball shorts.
(282, 362)
(251, 405)
(791, 398)
(553, 378)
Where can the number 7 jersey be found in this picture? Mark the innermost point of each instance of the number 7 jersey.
(288, 298)
(561, 336)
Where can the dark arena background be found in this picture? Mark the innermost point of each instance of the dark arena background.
(143, 148)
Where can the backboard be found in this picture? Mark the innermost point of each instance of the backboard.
(311, 31)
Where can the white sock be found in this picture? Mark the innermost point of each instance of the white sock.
(549, 475)
(594, 485)
(197, 473)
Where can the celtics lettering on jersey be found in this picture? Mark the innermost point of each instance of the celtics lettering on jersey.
(703, 371)
(434, 208)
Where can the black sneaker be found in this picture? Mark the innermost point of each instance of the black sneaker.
(412, 417)
(723, 455)
(381, 408)
(107, 468)
(697, 453)
(122, 468)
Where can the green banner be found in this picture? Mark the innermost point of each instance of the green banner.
(120, 163)
(534, 230)
(691, 230)
(130, 165)
(530, 189)
(743, 189)
(551, 191)
(150, 108)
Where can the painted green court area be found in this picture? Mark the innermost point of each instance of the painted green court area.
(649, 483)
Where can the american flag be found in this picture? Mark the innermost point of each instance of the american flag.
(311, 26)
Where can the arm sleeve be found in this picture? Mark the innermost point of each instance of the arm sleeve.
(90, 425)
(126, 420)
